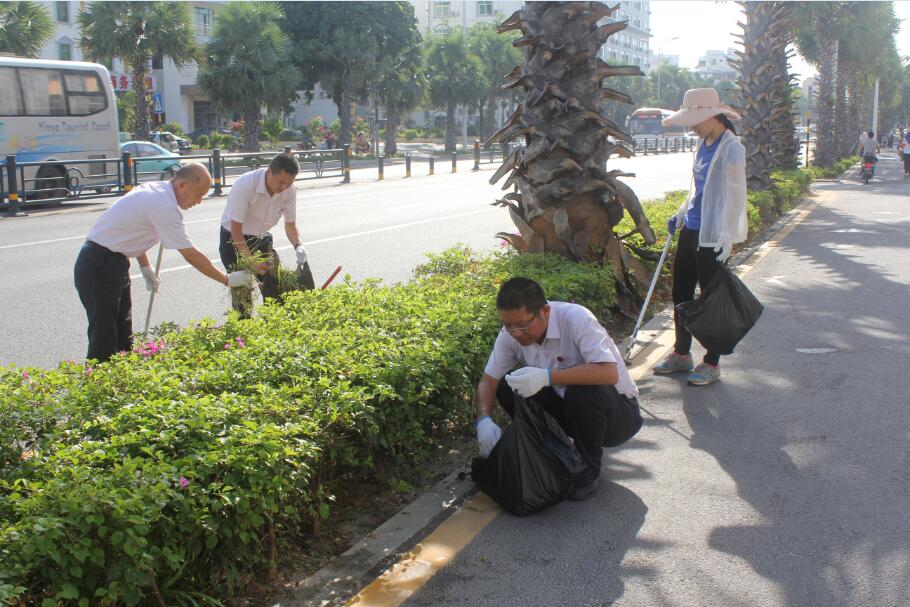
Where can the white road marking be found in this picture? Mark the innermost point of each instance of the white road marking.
(816, 350)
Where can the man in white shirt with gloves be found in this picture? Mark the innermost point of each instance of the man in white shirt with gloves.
(561, 357)
(150, 213)
(257, 200)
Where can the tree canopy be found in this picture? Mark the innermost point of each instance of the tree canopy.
(25, 27)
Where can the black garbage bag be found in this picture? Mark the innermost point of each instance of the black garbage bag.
(722, 314)
(532, 466)
(305, 277)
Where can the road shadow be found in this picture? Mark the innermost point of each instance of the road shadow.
(570, 554)
(812, 424)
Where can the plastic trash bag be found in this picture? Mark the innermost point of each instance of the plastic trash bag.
(722, 314)
(532, 466)
(305, 277)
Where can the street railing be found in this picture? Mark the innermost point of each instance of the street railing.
(663, 145)
(52, 182)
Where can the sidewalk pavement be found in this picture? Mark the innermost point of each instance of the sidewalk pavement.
(784, 484)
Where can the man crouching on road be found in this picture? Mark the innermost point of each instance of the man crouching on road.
(150, 213)
(568, 364)
(257, 200)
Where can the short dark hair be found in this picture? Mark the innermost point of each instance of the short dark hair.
(871, 134)
(519, 292)
(284, 163)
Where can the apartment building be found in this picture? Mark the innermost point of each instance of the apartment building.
(632, 45)
(716, 66)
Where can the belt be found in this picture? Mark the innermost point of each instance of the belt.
(91, 244)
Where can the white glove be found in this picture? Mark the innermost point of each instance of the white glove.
(152, 282)
(301, 255)
(724, 247)
(528, 381)
(488, 434)
(241, 278)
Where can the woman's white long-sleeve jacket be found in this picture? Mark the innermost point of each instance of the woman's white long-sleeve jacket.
(723, 199)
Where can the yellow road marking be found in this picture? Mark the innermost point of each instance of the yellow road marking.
(415, 568)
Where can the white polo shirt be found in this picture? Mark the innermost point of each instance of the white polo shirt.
(249, 203)
(574, 337)
(146, 215)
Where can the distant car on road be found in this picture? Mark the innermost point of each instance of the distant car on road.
(152, 159)
(169, 141)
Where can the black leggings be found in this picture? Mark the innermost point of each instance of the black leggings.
(692, 264)
(907, 162)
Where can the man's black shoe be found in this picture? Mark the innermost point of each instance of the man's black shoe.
(584, 491)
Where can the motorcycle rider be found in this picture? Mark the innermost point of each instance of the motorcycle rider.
(870, 149)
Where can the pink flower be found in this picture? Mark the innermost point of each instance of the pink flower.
(89, 370)
(240, 342)
(183, 483)
(227, 346)
(24, 374)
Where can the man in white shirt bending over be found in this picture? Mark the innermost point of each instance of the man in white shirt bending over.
(557, 354)
(150, 213)
(256, 202)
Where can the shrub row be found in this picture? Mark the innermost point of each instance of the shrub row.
(180, 468)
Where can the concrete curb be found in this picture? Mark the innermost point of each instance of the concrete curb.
(348, 573)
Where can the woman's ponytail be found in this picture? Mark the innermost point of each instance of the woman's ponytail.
(726, 122)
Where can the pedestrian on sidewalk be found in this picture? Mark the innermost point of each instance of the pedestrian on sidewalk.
(905, 151)
(557, 354)
(150, 213)
(712, 219)
(257, 200)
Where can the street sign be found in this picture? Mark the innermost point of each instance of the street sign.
(157, 103)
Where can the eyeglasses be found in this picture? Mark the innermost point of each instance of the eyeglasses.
(522, 328)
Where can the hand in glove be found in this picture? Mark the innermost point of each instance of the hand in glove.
(724, 248)
(488, 434)
(671, 225)
(152, 282)
(241, 278)
(528, 381)
(301, 255)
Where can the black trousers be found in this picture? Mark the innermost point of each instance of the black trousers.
(906, 162)
(268, 282)
(593, 416)
(691, 265)
(102, 280)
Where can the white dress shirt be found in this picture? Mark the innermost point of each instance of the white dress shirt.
(249, 203)
(573, 338)
(146, 215)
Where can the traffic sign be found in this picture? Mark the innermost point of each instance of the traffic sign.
(157, 103)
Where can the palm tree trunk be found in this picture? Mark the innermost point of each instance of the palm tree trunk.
(756, 84)
(480, 129)
(251, 130)
(140, 71)
(344, 110)
(826, 142)
(450, 127)
(844, 137)
(391, 130)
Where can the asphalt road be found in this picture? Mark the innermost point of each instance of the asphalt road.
(373, 229)
(784, 485)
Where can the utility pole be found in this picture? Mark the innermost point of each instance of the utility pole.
(874, 129)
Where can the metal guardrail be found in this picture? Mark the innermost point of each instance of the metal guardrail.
(663, 145)
(84, 179)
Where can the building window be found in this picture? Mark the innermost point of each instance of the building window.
(63, 12)
(484, 9)
(158, 61)
(205, 18)
(64, 51)
(442, 10)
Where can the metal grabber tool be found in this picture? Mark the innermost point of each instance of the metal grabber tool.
(627, 355)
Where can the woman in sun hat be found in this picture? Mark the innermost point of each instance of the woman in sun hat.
(713, 217)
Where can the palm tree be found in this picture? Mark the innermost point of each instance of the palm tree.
(498, 56)
(567, 202)
(756, 85)
(248, 65)
(784, 144)
(817, 29)
(403, 89)
(455, 76)
(25, 27)
(135, 32)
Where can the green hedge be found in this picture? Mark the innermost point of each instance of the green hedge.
(174, 466)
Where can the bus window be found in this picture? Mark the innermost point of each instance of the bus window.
(84, 94)
(43, 91)
(10, 98)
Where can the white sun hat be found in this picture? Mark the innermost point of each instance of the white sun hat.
(699, 105)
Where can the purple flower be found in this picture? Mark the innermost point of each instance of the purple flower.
(227, 346)
(240, 342)
(24, 374)
(89, 370)
(183, 483)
